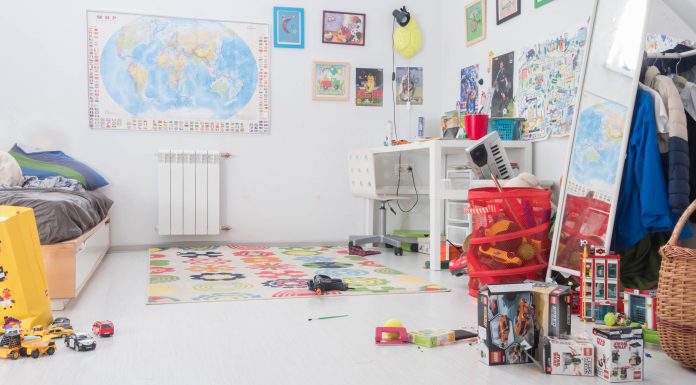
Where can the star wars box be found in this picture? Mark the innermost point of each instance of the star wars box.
(551, 312)
(568, 356)
(619, 353)
(506, 323)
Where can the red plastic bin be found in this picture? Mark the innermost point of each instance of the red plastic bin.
(509, 241)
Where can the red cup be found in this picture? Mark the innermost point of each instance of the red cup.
(476, 126)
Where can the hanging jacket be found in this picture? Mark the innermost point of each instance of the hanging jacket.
(661, 116)
(642, 207)
(675, 148)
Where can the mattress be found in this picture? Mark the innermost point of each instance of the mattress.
(60, 214)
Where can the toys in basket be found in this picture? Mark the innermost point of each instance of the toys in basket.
(510, 235)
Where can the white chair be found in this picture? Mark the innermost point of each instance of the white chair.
(361, 174)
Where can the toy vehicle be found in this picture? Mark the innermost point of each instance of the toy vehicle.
(35, 346)
(457, 267)
(500, 256)
(323, 283)
(62, 321)
(10, 344)
(103, 328)
(80, 342)
(56, 331)
(38, 331)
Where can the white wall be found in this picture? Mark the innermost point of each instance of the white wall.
(531, 26)
(290, 185)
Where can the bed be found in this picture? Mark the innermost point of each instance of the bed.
(74, 229)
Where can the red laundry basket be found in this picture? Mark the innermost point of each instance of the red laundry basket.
(509, 241)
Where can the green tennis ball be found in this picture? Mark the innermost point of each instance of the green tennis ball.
(610, 319)
(526, 251)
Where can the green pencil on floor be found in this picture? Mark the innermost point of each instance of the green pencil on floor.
(328, 317)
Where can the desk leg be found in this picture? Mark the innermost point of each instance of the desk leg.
(435, 162)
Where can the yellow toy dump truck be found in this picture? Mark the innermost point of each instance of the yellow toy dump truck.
(34, 346)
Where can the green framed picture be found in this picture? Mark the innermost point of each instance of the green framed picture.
(475, 22)
(541, 3)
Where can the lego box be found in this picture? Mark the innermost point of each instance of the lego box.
(431, 338)
(619, 353)
(551, 312)
(506, 323)
(570, 357)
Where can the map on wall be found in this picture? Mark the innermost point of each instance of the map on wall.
(174, 74)
(549, 73)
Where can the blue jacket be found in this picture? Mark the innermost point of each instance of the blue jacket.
(643, 205)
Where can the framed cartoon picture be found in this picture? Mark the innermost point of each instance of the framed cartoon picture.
(475, 22)
(330, 80)
(506, 10)
(288, 27)
(539, 3)
(343, 28)
(409, 85)
(369, 87)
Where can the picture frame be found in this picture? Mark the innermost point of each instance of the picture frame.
(541, 3)
(288, 27)
(506, 10)
(347, 28)
(330, 80)
(475, 22)
(369, 87)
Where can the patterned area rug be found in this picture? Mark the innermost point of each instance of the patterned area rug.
(235, 273)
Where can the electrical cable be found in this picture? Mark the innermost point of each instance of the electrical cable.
(393, 76)
(398, 185)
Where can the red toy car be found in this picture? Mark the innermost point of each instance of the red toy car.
(103, 328)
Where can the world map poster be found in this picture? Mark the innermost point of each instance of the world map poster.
(152, 73)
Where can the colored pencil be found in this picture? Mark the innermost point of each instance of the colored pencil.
(328, 317)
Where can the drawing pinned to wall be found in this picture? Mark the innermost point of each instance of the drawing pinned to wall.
(369, 88)
(331, 81)
(549, 75)
(288, 27)
(502, 102)
(409, 83)
(506, 10)
(491, 54)
(469, 89)
(343, 28)
(177, 74)
(475, 22)
(539, 3)
(655, 42)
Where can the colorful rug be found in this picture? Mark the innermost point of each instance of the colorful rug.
(236, 273)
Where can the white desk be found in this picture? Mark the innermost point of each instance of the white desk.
(437, 151)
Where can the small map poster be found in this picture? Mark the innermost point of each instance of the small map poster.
(151, 73)
(549, 72)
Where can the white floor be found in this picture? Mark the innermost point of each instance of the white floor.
(271, 341)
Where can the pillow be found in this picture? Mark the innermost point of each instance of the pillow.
(56, 163)
(10, 172)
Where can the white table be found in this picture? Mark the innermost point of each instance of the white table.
(519, 152)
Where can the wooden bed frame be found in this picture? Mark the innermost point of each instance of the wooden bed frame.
(70, 264)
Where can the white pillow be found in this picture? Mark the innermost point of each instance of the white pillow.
(10, 172)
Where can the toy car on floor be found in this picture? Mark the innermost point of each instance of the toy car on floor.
(323, 283)
(35, 346)
(457, 267)
(62, 321)
(80, 342)
(56, 331)
(103, 328)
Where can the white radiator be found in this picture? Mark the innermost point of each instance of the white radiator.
(189, 192)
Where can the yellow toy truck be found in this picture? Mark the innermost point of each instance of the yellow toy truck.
(34, 346)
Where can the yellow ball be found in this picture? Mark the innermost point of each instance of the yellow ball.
(392, 323)
(526, 251)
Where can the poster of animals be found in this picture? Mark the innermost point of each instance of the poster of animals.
(469, 89)
(409, 85)
(549, 75)
(343, 28)
(369, 88)
(330, 81)
(502, 103)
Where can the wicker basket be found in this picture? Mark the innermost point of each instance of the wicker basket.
(676, 292)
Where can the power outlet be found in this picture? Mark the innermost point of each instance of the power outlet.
(404, 168)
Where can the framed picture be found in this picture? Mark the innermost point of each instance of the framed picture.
(409, 85)
(288, 27)
(539, 3)
(506, 10)
(343, 28)
(369, 87)
(502, 103)
(330, 80)
(475, 15)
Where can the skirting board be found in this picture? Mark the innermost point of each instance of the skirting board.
(129, 248)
